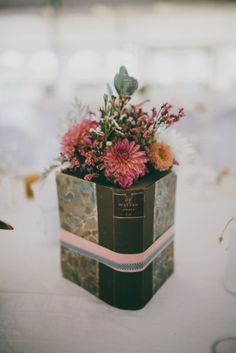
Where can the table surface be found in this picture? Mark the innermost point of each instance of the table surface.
(40, 312)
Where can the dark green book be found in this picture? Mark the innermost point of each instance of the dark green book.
(126, 251)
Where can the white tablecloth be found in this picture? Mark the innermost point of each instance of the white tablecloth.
(40, 312)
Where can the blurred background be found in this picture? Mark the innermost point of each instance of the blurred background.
(54, 50)
(181, 52)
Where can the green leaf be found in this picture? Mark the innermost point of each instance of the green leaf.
(123, 70)
(125, 85)
(105, 97)
(109, 90)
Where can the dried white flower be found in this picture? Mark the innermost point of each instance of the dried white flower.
(183, 150)
(116, 124)
(98, 129)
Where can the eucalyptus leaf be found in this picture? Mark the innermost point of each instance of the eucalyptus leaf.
(123, 70)
(125, 85)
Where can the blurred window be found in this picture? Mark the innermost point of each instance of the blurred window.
(44, 66)
(85, 66)
(225, 77)
(187, 66)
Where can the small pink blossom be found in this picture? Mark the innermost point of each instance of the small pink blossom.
(90, 176)
(75, 163)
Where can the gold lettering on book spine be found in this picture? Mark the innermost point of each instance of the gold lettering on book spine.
(128, 205)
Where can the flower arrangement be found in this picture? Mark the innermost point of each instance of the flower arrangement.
(122, 144)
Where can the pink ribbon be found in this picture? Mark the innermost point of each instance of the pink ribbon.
(118, 261)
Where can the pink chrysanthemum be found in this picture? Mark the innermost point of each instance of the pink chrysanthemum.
(124, 163)
(160, 155)
(77, 136)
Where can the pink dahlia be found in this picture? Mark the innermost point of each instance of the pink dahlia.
(161, 156)
(124, 163)
(77, 136)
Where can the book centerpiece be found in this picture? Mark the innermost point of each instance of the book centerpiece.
(116, 194)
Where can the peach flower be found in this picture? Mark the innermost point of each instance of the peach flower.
(160, 155)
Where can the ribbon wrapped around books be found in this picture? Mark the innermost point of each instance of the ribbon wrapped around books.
(119, 262)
